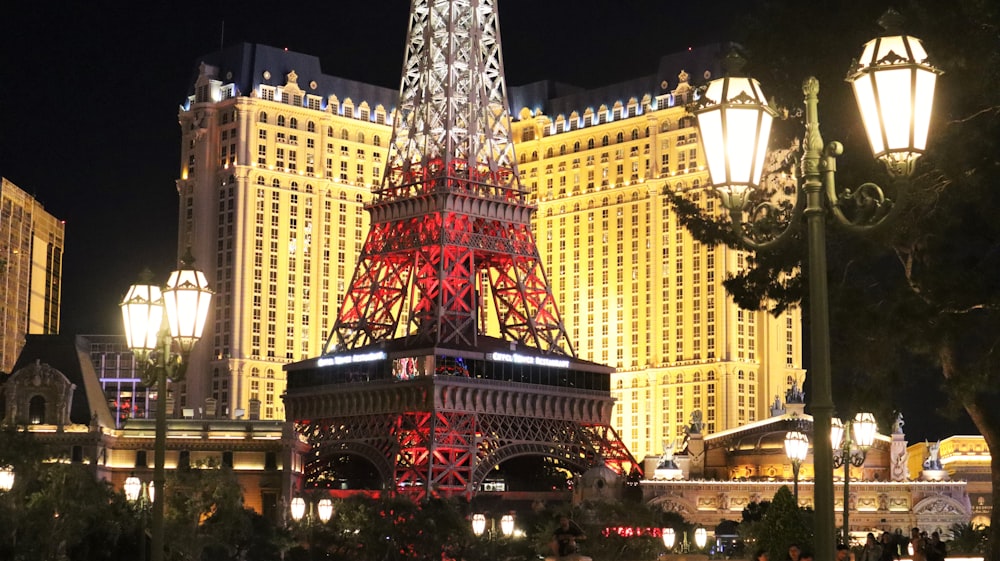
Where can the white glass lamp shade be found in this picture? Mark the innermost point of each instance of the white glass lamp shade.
(894, 88)
(298, 508)
(836, 433)
(864, 429)
(796, 446)
(478, 523)
(324, 508)
(142, 315)
(734, 123)
(151, 491)
(187, 299)
(507, 525)
(6, 478)
(669, 538)
(133, 488)
(700, 538)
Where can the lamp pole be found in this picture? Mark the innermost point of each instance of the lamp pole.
(796, 448)
(850, 444)
(155, 322)
(894, 88)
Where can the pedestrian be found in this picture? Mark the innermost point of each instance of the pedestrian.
(843, 552)
(936, 550)
(761, 555)
(794, 553)
(872, 550)
(890, 552)
(919, 545)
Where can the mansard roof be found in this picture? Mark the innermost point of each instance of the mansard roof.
(554, 98)
(249, 65)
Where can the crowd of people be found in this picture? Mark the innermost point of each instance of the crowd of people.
(883, 548)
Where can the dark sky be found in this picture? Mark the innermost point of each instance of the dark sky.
(88, 107)
(91, 92)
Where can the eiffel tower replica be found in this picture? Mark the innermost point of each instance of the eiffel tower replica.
(410, 382)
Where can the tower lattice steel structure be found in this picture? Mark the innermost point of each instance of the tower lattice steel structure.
(411, 382)
(451, 212)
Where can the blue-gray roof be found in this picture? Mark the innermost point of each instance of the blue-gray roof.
(552, 98)
(244, 65)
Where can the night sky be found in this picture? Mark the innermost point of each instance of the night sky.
(88, 107)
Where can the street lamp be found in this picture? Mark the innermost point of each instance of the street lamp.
(141, 495)
(796, 448)
(507, 525)
(850, 444)
(700, 538)
(185, 299)
(6, 478)
(324, 510)
(478, 524)
(894, 87)
(669, 538)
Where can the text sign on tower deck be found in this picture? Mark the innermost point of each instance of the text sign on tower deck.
(527, 359)
(351, 359)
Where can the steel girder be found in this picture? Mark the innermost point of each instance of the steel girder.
(451, 210)
(451, 453)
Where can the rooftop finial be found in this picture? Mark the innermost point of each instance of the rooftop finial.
(892, 22)
(733, 64)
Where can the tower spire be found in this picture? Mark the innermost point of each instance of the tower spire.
(451, 225)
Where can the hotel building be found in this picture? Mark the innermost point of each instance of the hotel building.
(31, 250)
(278, 160)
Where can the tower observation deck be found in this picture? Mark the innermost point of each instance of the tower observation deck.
(449, 355)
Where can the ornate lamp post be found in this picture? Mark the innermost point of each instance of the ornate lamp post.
(796, 448)
(140, 494)
(185, 299)
(850, 445)
(894, 87)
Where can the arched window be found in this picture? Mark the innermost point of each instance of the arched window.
(605, 140)
(665, 126)
(635, 134)
(590, 144)
(255, 372)
(344, 135)
(36, 410)
(329, 131)
(281, 120)
(562, 149)
(361, 137)
(260, 180)
(275, 182)
(359, 198)
(293, 123)
(311, 126)
(295, 185)
(548, 153)
(263, 117)
(309, 188)
(377, 140)
(270, 373)
(576, 146)
(620, 137)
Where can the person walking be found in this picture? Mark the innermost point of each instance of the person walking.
(872, 550)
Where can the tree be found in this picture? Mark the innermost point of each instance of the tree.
(775, 526)
(927, 288)
(206, 518)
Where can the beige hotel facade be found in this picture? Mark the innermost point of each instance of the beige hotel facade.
(278, 160)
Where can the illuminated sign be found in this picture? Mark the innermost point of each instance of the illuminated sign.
(526, 359)
(350, 359)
